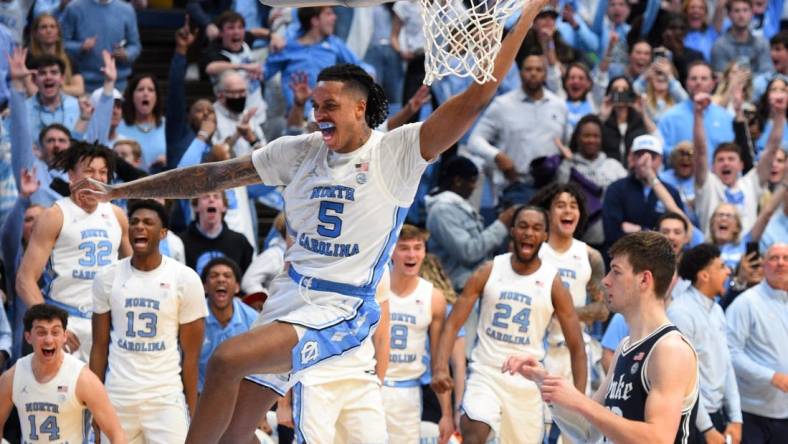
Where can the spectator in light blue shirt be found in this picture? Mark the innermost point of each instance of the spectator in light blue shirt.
(316, 48)
(50, 105)
(701, 34)
(702, 321)
(777, 228)
(227, 315)
(91, 26)
(757, 338)
(676, 124)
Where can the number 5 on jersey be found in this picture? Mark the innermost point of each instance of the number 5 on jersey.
(331, 223)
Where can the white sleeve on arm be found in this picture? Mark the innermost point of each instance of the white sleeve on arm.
(401, 161)
(277, 162)
(102, 289)
(192, 297)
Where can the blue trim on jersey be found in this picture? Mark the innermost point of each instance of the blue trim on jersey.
(70, 309)
(87, 427)
(385, 253)
(266, 384)
(402, 384)
(298, 407)
(318, 345)
(317, 284)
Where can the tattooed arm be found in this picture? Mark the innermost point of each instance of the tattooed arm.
(181, 183)
(596, 310)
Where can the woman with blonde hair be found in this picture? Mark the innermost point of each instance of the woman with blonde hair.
(661, 88)
(701, 34)
(45, 38)
(734, 79)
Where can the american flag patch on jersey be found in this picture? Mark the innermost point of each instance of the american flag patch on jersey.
(364, 166)
(164, 285)
(62, 389)
(639, 356)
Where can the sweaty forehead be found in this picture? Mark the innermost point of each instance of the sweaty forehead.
(531, 217)
(333, 90)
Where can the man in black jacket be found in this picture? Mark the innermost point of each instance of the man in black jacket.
(209, 237)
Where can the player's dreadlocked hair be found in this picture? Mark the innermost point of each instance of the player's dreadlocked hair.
(353, 75)
(78, 151)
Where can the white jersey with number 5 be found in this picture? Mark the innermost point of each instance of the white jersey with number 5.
(515, 312)
(147, 309)
(344, 210)
(86, 243)
(50, 412)
(411, 316)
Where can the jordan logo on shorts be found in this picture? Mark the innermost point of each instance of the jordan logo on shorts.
(309, 352)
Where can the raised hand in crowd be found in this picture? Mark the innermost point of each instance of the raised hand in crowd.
(28, 182)
(299, 84)
(17, 69)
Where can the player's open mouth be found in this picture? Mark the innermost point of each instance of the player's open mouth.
(526, 247)
(48, 352)
(210, 210)
(140, 241)
(410, 264)
(567, 224)
(221, 292)
(328, 129)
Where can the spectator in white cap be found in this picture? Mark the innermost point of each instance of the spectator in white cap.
(635, 202)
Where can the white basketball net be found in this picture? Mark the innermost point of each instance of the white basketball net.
(463, 41)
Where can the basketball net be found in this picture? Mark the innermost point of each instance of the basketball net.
(464, 39)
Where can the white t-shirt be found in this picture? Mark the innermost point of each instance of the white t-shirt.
(713, 193)
(344, 211)
(147, 309)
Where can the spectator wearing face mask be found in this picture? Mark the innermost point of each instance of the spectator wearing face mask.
(238, 122)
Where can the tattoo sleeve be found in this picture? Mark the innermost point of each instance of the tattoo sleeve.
(594, 286)
(190, 182)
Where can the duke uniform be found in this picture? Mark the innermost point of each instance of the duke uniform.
(143, 376)
(628, 390)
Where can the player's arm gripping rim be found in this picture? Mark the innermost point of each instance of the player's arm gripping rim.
(447, 124)
(181, 183)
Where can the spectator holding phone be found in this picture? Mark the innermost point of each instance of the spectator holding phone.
(622, 114)
(661, 88)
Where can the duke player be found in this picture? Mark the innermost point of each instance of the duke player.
(78, 235)
(519, 295)
(148, 328)
(53, 391)
(347, 190)
(417, 313)
(651, 390)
